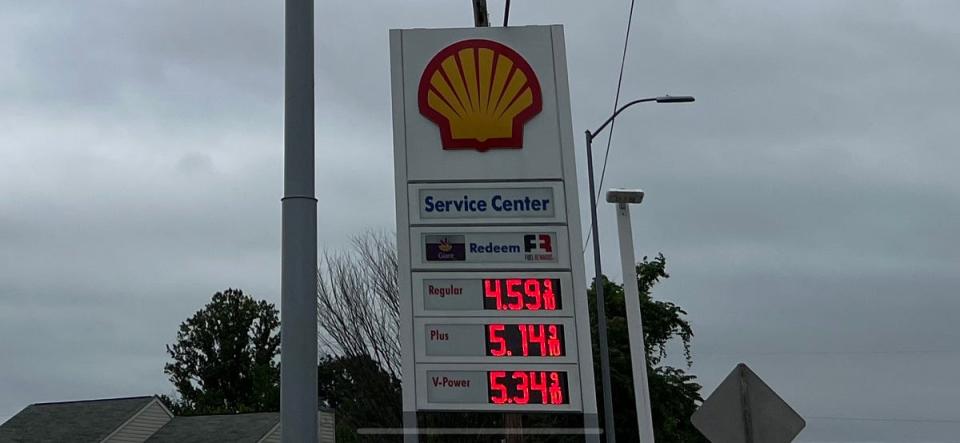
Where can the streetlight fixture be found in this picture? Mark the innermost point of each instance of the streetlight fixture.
(609, 429)
(631, 294)
(675, 99)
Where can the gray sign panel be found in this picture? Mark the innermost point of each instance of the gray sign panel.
(743, 409)
(457, 387)
(453, 295)
(487, 203)
(462, 339)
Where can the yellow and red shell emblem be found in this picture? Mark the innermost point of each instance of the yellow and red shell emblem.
(480, 93)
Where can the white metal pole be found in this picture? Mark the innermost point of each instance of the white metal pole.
(631, 294)
(298, 268)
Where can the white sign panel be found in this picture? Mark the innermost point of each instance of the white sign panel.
(508, 62)
(493, 302)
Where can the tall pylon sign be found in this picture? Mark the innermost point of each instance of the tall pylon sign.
(493, 303)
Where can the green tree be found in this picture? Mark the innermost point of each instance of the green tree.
(225, 357)
(674, 394)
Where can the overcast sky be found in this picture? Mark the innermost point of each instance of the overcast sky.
(807, 203)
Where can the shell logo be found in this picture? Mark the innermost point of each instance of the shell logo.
(480, 93)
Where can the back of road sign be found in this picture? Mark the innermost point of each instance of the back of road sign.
(743, 409)
(493, 303)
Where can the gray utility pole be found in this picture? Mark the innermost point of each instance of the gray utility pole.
(298, 272)
(481, 18)
(608, 425)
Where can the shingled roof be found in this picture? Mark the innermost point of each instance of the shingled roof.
(238, 428)
(144, 419)
(73, 421)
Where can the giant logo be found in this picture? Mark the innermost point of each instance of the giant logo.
(445, 248)
(480, 93)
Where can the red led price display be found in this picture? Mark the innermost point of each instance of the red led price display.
(525, 340)
(521, 294)
(527, 387)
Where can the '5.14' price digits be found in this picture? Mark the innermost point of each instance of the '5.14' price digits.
(525, 340)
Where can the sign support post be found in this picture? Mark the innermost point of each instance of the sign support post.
(631, 294)
(298, 280)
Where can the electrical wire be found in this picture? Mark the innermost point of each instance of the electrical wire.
(616, 99)
(885, 419)
(831, 353)
(616, 103)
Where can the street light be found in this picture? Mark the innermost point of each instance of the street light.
(631, 294)
(598, 287)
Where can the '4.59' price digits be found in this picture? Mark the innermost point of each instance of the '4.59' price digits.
(521, 294)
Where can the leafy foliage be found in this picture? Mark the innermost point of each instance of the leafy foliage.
(225, 357)
(674, 394)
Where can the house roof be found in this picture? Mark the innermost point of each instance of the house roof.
(75, 421)
(239, 428)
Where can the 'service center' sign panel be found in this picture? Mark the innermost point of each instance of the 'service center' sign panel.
(486, 202)
(493, 304)
(499, 203)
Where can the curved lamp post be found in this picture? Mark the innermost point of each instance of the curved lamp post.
(597, 285)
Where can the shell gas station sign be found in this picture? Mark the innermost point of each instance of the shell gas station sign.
(493, 300)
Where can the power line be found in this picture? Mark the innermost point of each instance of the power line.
(886, 419)
(616, 102)
(890, 352)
